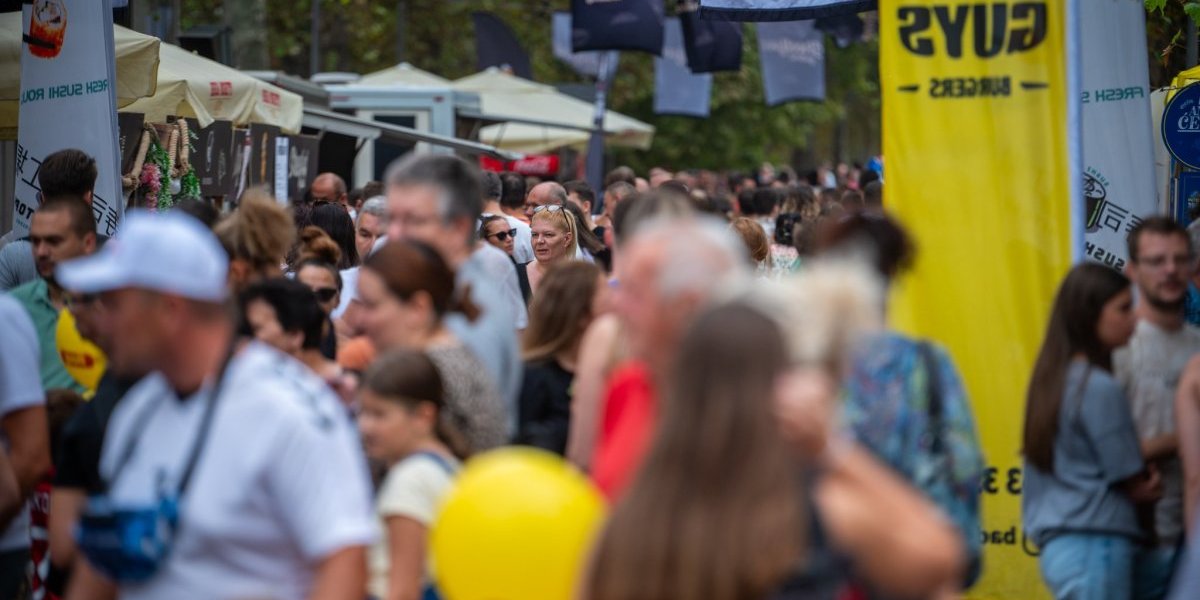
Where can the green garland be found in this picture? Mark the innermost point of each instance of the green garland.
(189, 184)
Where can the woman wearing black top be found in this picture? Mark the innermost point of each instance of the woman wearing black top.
(569, 297)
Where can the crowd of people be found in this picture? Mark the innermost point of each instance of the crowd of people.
(289, 390)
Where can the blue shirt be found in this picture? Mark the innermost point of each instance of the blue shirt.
(1191, 304)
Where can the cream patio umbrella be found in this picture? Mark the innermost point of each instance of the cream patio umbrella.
(540, 118)
(226, 93)
(137, 58)
(403, 74)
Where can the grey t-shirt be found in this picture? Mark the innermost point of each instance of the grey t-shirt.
(16, 264)
(20, 388)
(1095, 449)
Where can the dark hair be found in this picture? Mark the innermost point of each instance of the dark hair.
(407, 267)
(1071, 330)
(61, 405)
(785, 228)
(410, 378)
(492, 188)
(853, 200)
(513, 190)
(354, 196)
(488, 220)
(335, 221)
(201, 209)
(584, 236)
(718, 457)
(621, 173)
(371, 189)
(321, 264)
(455, 180)
(67, 172)
(866, 178)
(1159, 225)
(676, 186)
(889, 247)
(295, 305)
(80, 214)
(582, 189)
(873, 193)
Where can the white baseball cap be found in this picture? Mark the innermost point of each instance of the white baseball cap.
(168, 252)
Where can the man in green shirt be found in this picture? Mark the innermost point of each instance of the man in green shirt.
(62, 228)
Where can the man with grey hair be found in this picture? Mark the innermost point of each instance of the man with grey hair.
(493, 190)
(437, 199)
(544, 194)
(669, 270)
(370, 225)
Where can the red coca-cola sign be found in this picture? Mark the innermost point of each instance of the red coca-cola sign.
(535, 165)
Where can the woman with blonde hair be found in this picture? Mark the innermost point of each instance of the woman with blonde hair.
(555, 239)
(571, 296)
(257, 237)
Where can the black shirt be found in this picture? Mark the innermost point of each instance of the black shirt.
(544, 416)
(83, 436)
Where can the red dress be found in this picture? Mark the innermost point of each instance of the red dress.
(630, 413)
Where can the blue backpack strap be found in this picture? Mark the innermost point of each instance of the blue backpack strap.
(441, 461)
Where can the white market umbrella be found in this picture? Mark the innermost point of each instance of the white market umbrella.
(403, 74)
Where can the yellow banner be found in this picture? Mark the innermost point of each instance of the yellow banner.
(979, 166)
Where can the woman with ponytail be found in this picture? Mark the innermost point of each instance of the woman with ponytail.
(403, 425)
(406, 291)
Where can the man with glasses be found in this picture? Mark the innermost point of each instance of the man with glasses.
(493, 190)
(1160, 262)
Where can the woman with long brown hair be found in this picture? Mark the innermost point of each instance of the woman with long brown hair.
(406, 290)
(571, 296)
(1083, 464)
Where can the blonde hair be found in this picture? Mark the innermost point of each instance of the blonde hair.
(259, 232)
(565, 217)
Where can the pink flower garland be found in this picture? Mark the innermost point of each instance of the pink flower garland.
(151, 181)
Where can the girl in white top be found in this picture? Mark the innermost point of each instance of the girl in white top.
(402, 426)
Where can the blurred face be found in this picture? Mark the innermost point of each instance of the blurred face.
(370, 227)
(499, 235)
(652, 322)
(551, 240)
(391, 430)
(90, 319)
(324, 190)
(602, 300)
(54, 241)
(414, 216)
(1117, 321)
(585, 207)
(388, 321)
(264, 323)
(1162, 270)
(141, 321)
(322, 283)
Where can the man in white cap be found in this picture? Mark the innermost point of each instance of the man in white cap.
(271, 489)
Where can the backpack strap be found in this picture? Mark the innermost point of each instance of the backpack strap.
(933, 388)
(441, 461)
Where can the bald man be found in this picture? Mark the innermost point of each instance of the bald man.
(544, 194)
(329, 187)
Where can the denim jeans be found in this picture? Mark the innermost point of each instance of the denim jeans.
(1154, 570)
(1085, 566)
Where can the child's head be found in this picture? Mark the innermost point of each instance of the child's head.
(60, 405)
(403, 406)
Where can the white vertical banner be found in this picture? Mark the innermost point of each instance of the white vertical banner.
(68, 74)
(281, 169)
(1118, 137)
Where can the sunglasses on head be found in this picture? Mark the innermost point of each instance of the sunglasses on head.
(504, 235)
(325, 294)
(549, 207)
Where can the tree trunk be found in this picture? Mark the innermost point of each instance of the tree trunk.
(247, 22)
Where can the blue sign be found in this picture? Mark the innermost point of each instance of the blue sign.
(1181, 126)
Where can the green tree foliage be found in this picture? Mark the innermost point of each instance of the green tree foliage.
(361, 36)
(1166, 23)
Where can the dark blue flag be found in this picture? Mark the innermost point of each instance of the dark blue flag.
(780, 10)
(678, 91)
(844, 29)
(617, 25)
(711, 45)
(497, 46)
(793, 61)
(584, 63)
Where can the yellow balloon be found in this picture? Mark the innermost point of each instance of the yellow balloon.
(83, 360)
(518, 525)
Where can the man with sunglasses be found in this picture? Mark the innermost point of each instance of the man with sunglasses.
(230, 471)
(493, 190)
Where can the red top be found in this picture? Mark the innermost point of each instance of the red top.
(630, 413)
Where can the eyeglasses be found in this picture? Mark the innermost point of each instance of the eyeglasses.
(325, 294)
(504, 235)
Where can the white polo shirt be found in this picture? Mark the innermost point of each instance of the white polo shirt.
(280, 485)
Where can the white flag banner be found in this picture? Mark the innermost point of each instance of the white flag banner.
(1118, 145)
(68, 101)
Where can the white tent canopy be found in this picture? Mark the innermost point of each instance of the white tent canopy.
(403, 74)
(225, 93)
(137, 57)
(541, 118)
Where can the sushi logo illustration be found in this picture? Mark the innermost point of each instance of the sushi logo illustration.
(47, 28)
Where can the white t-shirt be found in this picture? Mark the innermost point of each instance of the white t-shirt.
(280, 485)
(349, 291)
(20, 388)
(413, 488)
(523, 246)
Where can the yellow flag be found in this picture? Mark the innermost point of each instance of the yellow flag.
(980, 129)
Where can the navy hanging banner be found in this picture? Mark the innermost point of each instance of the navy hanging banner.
(844, 29)
(678, 91)
(584, 63)
(617, 25)
(781, 10)
(711, 45)
(793, 61)
(497, 46)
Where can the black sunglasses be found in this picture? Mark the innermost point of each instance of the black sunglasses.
(325, 294)
(504, 235)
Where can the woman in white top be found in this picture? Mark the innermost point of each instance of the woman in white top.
(401, 424)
